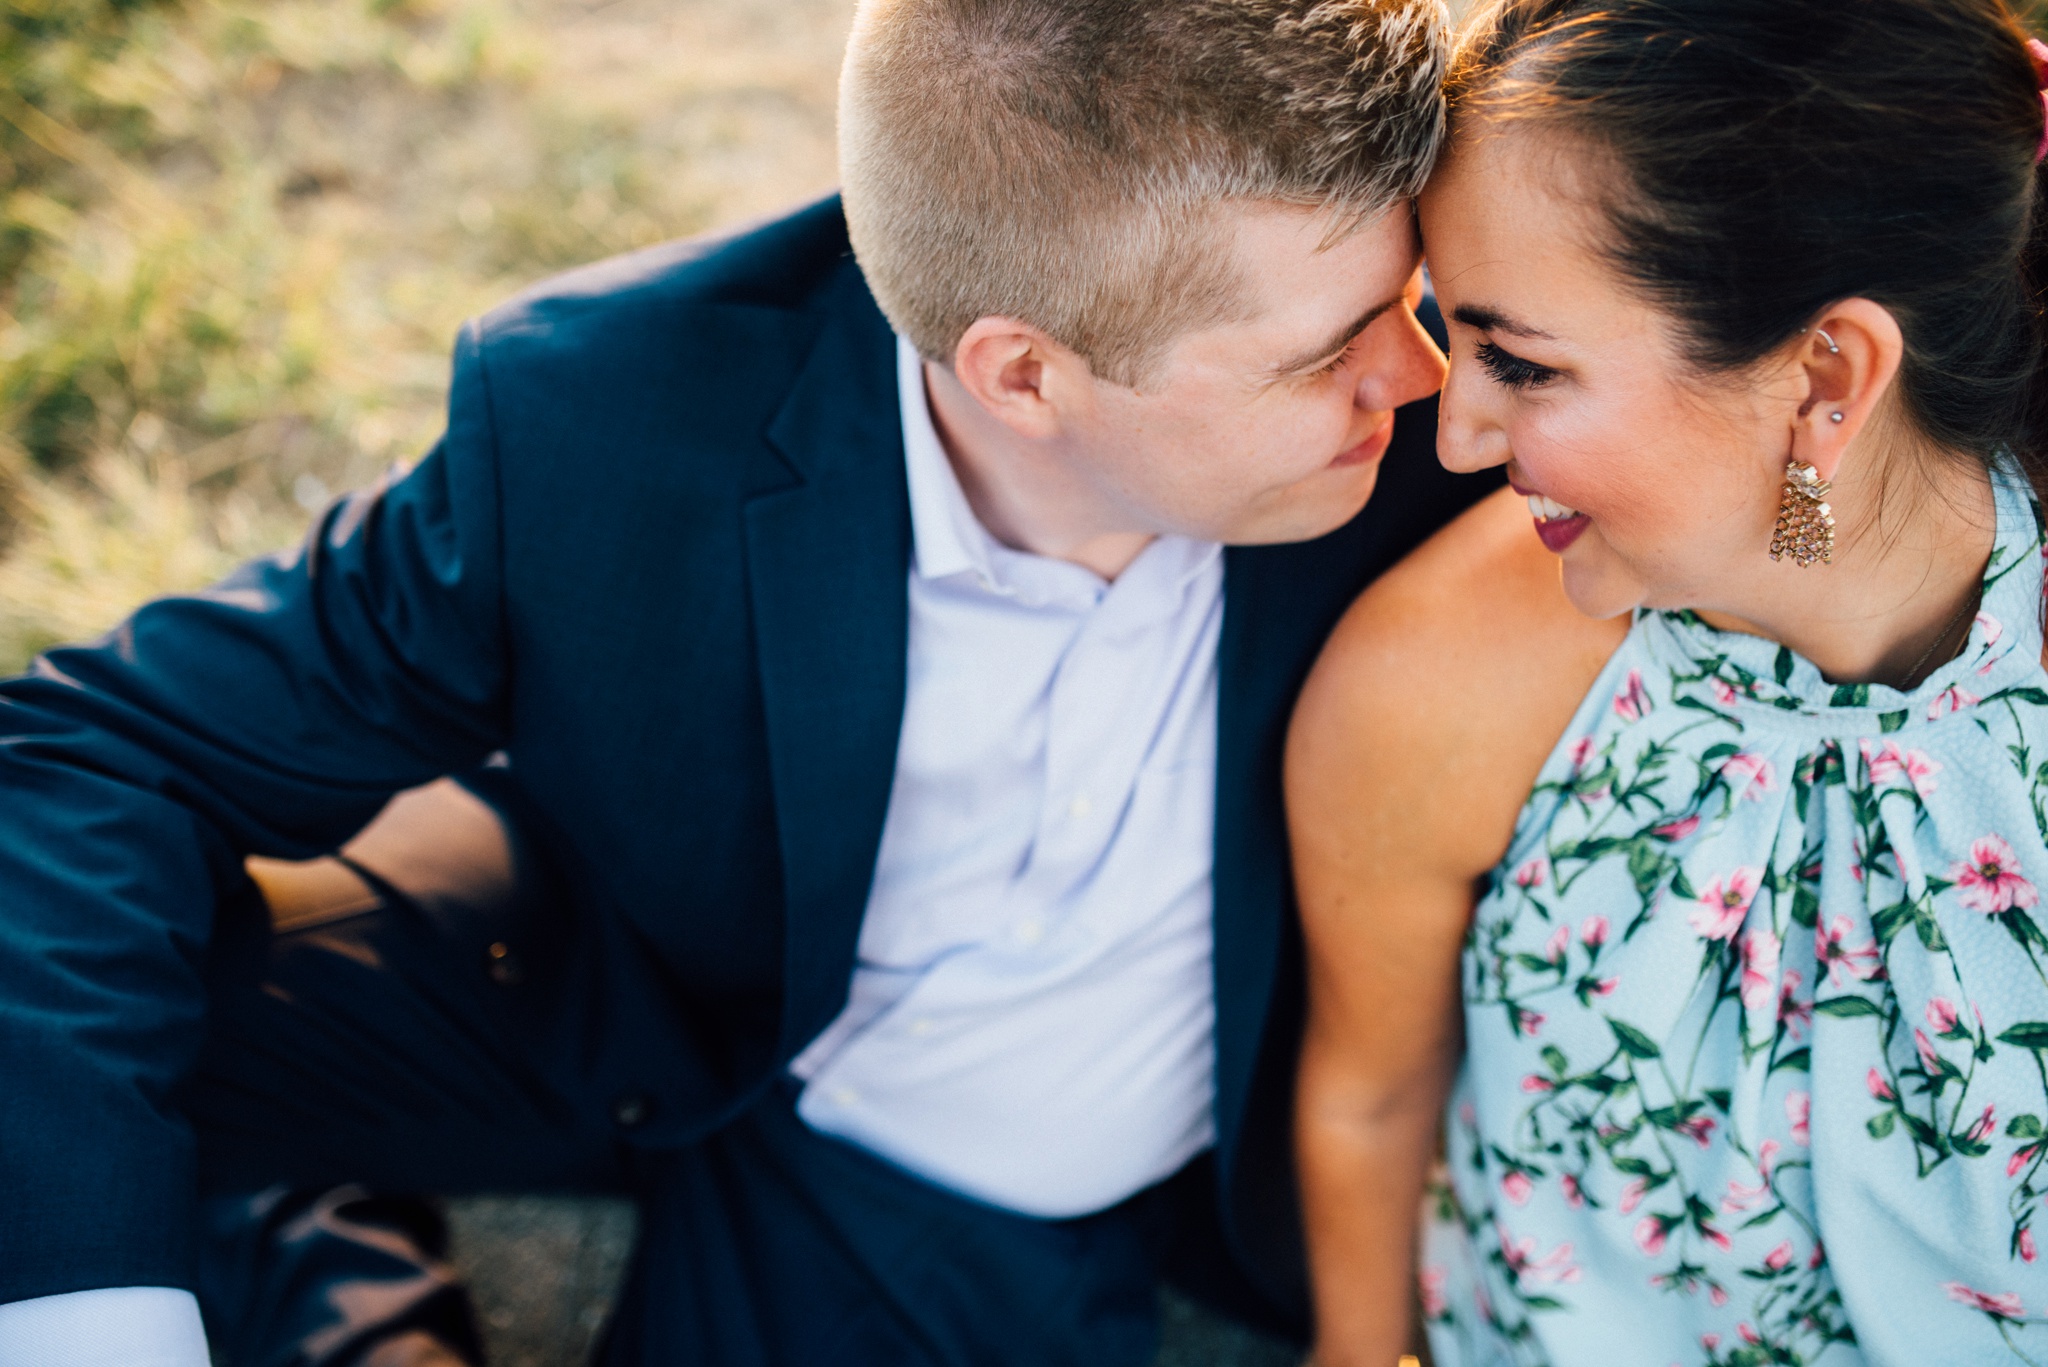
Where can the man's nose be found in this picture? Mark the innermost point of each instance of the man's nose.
(1409, 368)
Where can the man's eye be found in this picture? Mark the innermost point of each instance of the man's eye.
(1510, 370)
(1335, 363)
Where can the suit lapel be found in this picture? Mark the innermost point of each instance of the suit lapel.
(827, 563)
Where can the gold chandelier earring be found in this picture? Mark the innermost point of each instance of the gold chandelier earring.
(1806, 524)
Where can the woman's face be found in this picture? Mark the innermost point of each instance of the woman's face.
(1653, 488)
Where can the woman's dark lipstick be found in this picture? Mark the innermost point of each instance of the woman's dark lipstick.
(1556, 525)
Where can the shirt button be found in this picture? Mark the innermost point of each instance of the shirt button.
(503, 965)
(1080, 806)
(1030, 931)
(632, 1109)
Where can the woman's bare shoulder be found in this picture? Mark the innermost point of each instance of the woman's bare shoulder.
(1443, 690)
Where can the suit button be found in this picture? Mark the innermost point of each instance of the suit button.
(503, 965)
(632, 1109)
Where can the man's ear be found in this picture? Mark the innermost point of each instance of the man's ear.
(1847, 361)
(1021, 377)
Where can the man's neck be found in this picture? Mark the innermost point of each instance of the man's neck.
(1019, 494)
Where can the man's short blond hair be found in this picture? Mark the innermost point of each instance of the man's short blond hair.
(1062, 162)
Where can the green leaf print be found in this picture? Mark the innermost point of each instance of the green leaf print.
(1880, 1125)
(1636, 1044)
(1782, 669)
(1843, 1008)
(2024, 1127)
(1851, 695)
(1889, 722)
(2027, 1035)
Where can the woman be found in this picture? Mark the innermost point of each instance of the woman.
(1729, 834)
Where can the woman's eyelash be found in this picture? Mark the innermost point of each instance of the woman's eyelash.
(1510, 370)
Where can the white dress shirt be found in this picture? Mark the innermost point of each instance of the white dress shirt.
(1031, 1019)
(1031, 1016)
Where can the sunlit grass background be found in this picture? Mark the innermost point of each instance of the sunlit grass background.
(237, 237)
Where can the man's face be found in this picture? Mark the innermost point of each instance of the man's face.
(1270, 429)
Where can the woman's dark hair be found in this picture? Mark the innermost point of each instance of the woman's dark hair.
(1778, 156)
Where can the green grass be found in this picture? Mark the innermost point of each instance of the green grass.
(237, 237)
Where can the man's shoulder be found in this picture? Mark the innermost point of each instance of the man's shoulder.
(797, 263)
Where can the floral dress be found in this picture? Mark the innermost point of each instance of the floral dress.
(1757, 1016)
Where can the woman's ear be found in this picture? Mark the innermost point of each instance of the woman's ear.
(1847, 361)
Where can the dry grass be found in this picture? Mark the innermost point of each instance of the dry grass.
(248, 229)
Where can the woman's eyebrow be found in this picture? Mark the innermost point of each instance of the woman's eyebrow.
(1488, 319)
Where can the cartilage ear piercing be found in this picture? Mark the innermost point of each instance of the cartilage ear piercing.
(1806, 524)
(1828, 337)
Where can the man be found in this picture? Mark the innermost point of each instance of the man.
(900, 741)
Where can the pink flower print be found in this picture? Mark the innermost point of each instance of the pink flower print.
(1676, 830)
(1650, 1235)
(1632, 702)
(1710, 1341)
(1632, 1194)
(1743, 1197)
(2005, 1305)
(1929, 1058)
(1429, 1285)
(1951, 700)
(1574, 1195)
(1593, 932)
(1717, 1296)
(1581, 752)
(1749, 776)
(1535, 1082)
(1983, 1124)
(1724, 692)
(1992, 628)
(1714, 1237)
(1759, 967)
(1554, 1266)
(1749, 1335)
(1796, 1014)
(1887, 763)
(1819, 1256)
(1799, 1110)
(1560, 941)
(2020, 1158)
(1516, 1186)
(1941, 1014)
(1533, 873)
(1725, 904)
(1529, 1021)
(1779, 1258)
(1879, 1088)
(2026, 1242)
(1699, 1129)
(1991, 881)
(1605, 987)
(1828, 947)
(1767, 1157)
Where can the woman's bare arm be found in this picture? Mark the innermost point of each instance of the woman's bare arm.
(1417, 739)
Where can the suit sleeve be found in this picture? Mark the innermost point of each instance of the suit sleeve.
(271, 714)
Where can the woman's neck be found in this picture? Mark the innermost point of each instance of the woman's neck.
(1896, 602)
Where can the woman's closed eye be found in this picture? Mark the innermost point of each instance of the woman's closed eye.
(1510, 370)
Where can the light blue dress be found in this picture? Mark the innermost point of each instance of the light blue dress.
(1757, 1016)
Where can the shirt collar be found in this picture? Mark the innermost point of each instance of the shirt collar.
(949, 540)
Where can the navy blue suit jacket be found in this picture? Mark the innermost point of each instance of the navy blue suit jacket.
(659, 560)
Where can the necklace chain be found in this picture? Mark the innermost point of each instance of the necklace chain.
(1912, 675)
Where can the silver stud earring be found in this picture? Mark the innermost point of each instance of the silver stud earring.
(1827, 337)
(1835, 417)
